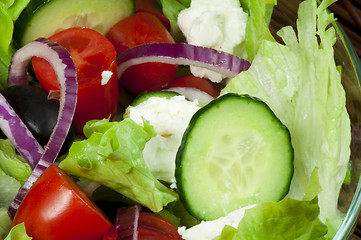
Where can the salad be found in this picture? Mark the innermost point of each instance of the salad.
(170, 119)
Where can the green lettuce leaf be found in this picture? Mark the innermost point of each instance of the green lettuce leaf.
(18, 233)
(9, 187)
(257, 30)
(112, 155)
(171, 9)
(5, 223)
(9, 12)
(302, 85)
(287, 219)
(11, 163)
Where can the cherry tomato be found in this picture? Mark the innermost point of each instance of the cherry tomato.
(151, 6)
(202, 84)
(137, 29)
(56, 208)
(150, 227)
(93, 55)
(111, 234)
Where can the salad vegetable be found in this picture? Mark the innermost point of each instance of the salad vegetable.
(159, 162)
(135, 30)
(302, 85)
(133, 223)
(77, 218)
(246, 159)
(18, 233)
(112, 155)
(9, 12)
(95, 61)
(45, 18)
(38, 113)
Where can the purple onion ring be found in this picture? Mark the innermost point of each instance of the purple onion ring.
(182, 54)
(61, 61)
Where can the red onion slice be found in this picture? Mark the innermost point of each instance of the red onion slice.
(192, 94)
(127, 222)
(19, 135)
(182, 54)
(64, 67)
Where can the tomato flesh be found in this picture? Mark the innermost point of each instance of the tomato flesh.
(93, 55)
(137, 29)
(202, 84)
(56, 208)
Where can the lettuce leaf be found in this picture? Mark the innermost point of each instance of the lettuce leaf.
(112, 156)
(9, 187)
(11, 163)
(9, 12)
(5, 223)
(14, 171)
(18, 233)
(287, 219)
(257, 27)
(171, 9)
(302, 85)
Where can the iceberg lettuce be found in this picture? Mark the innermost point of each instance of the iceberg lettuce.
(13, 172)
(112, 156)
(9, 12)
(287, 219)
(5, 223)
(18, 233)
(302, 85)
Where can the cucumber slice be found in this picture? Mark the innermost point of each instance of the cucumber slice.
(235, 152)
(43, 18)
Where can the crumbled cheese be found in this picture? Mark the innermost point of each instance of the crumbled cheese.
(106, 75)
(170, 118)
(208, 230)
(218, 24)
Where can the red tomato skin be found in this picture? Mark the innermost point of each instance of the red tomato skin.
(137, 29)
(192, 81)
(92, 54)
(55, 208)
(150, 6)
(151, 226)
(111, 234)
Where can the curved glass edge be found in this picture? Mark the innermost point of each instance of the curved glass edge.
(348, 225)
(350, 49)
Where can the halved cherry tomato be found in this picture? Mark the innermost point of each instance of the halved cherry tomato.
(202, 84)
(93, 55)
(111, 234)
(56, 208)
(151, 6)
(150, 227)
(138, 29)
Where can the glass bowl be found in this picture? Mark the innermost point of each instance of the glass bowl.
(285, 13)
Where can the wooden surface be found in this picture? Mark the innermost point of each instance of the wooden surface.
(348, 14)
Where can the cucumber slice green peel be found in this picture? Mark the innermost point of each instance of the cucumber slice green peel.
(44, 18)
(235, 152)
